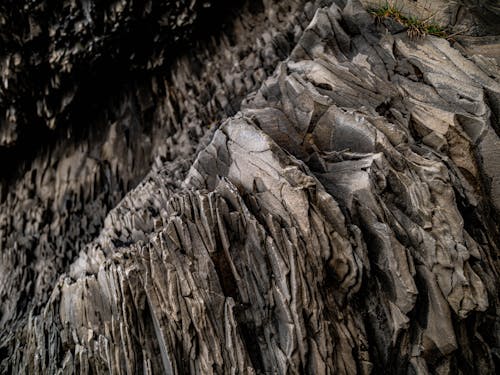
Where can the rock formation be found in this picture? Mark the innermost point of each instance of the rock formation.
(297, 189)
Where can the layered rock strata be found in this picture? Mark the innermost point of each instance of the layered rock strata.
(344, 220)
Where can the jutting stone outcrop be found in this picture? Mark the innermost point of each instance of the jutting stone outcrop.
(340, 216)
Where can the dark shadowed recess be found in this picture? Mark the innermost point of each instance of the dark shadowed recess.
(99, 79)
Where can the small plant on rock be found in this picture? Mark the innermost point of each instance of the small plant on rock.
(415, 27)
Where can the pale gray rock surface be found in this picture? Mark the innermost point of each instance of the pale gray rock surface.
(342, 219)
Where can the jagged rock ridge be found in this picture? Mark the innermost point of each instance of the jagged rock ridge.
(57, 202)
(344, 221)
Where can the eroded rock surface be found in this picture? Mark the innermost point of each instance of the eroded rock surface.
(55, 204)
(344, 220)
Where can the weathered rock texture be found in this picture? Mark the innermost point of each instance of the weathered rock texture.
(324, 198)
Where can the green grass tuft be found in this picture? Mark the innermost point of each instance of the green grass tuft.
(415, 27)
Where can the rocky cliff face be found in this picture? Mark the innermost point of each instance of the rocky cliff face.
(294, 190)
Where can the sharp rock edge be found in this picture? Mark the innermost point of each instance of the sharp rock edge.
(343, 221)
